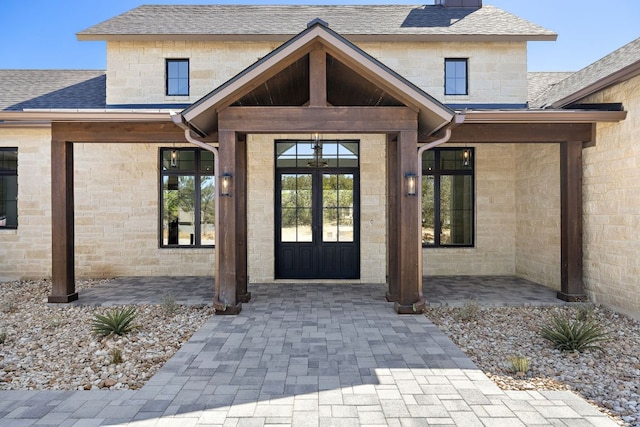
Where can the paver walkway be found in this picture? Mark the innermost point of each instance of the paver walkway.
(309, 355)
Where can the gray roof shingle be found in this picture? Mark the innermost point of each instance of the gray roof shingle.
(289, 20)
(47, 89)
(539, 82)
(562, 93)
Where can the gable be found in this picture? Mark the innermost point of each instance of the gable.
(350, 77)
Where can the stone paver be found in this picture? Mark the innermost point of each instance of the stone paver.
(298, 355)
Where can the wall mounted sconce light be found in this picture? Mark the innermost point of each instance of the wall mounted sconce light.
(411, 183)
(466, 157)
(174, 158)
(225, 190)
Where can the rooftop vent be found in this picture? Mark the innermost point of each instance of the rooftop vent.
(459, 3)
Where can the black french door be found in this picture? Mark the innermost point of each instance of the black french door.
(317, 223)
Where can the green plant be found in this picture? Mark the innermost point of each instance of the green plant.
(169, 305)
(519, 364)
(3, 337)
(585, 312)
(469, 310)
(574, 335)
(116, 356)
(55, 323)
(116, 321)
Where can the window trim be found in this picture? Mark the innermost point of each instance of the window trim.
(437, 173)
(167, 77)
(198, 173)
(466, 75)
(11, 173)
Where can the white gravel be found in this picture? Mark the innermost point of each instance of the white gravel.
(609, 378)
(51, 347)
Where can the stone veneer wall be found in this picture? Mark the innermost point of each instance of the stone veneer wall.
(495, 226)
(538, 213)
(261, 221)
(136, 70)
(611, 190)
(26, 251)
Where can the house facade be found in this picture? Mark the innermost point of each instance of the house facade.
(306, 144)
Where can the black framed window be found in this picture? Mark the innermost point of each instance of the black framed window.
(8, 187)
(187, 198)
(448, 197)
(456, 81)
(177, 72)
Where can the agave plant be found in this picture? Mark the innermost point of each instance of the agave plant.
(574, 335)
(116, 321)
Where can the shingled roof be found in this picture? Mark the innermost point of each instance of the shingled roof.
(282, 22)
(619, 65)
(48, 89)
(539, 82)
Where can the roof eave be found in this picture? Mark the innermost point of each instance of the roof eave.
(544, 116)
(48, 116)
(390, 37)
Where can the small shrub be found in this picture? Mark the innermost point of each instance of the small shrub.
(574, 335)
(116, 356)
(55, 323)
(116, 321)
(584, 312)
(519, 364)
(469, 310)
(169, 305)
(3, 337)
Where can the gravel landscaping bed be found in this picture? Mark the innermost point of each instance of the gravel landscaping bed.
(51, 347)
(490, 337)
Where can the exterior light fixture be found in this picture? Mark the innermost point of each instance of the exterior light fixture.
(317, 161)
(411, 183)
(466, 157)
(225, 190)
(174, 158)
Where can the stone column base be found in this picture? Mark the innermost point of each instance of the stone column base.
(61, 299)
(572, 297)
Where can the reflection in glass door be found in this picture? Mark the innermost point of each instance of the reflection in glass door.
(317, 224)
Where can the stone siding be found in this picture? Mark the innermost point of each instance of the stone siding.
(136, 70)
(611, 189)
(25, 252)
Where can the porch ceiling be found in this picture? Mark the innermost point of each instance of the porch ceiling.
(285, 77)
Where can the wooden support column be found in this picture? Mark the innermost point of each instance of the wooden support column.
(226, 284)
(571, 281)
(62, 233)
(240, 194)
(393, 239)
(410, 299)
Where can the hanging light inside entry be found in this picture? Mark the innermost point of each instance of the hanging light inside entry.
(174, 158)
(317, 161)
(466, 157)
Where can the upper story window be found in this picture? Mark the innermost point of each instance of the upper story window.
(456, 80)
(187, 198)
(448, 197)
(177, 77)
(8, 187)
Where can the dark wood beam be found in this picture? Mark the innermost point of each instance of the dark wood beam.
(520, 133)
(62, 223)
(128, 132)
(318, 78)
(225, 292)
(317, 119)
(393, 238)
(240, 195)
(571, 228)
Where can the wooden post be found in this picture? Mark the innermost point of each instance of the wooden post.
(393, 243)
(410, 298)
(571, 280)
(225, 295)
(62, 232)
(240, 197)
(318, 78)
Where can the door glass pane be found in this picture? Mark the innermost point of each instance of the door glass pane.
(296, 208)
(337, 207)
(207, 211)
(178, 195)
(456, 200)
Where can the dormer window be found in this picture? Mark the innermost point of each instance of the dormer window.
(456, 80)
(177, 73)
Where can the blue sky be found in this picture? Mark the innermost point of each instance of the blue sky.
(41, 33)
